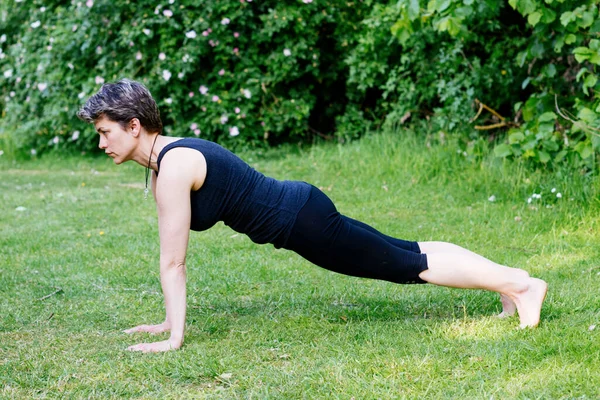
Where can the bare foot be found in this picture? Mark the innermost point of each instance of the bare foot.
(508, 306)
(529, 302)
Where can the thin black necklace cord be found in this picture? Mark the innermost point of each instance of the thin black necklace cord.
(148, 167)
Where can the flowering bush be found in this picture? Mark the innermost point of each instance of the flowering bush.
(258, 72)
(234, 71)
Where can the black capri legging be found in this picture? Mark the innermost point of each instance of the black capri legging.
(333, 241)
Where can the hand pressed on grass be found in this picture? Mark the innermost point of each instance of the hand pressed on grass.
(154, 329)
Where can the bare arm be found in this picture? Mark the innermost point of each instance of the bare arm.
(181, 171)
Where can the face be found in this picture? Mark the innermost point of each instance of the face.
(117, 143)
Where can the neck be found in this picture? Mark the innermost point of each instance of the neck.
(149, 150)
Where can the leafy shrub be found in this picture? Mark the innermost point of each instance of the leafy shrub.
(531, 60)
(233, 71)
(263, 72)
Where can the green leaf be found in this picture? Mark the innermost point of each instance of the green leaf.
(549, 70)
(570, 38)
(516, 137)
(587, 115)
(521, 58)
(584, 149)
(502, 150)
(414, 9)
(589, 82)
(468, 2)
(547, 116)
(582, 54)
(550, 145)
(587, 19)
(594, 44)
(560, 156)
(580, 73)
(513, 4)
(543, 156)
(566, 18)
(442, 5)
(596, 142)
(548, 15)
(525, 83)
(534, 18)
(595, 27)
(526, 7)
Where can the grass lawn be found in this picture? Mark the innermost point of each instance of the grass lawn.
(79, 263)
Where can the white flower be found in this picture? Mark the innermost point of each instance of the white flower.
(81, 95)
(36, 24)
(55, 140)
(225, 21)
(138, 55)
(12, 94)
(287, 52)
(171, 1)
(71, 66)
(33, 152)
(20, 208)
(180, 75)
(43, 9)
(592, 327)
(8, 73)
(529, 200)
(99, 80)
(168, 100)
(492, 198)
(247, 93)
(166, 75)
(147, 32)
(75, 135)
(237, 110)
(1, 152)
(74, 28)
(42, 86)
(191, 34)
(203, 89)
(3, 38)
(558, 195)
(194, 126)
(307, 1)
(234, 131)
(168, 13)
(89, 3)
(224, 119)
(162, 56)
(197, 132)
(553, 190)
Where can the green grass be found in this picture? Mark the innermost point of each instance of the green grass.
(263, 323)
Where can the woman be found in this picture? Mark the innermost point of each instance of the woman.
(197, 183)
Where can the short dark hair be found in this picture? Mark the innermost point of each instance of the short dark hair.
(121, 102)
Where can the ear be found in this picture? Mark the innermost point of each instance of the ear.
(135, 127)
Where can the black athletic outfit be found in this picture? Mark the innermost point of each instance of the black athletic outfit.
(296, 216)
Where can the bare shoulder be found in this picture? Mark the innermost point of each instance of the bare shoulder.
(182, 165)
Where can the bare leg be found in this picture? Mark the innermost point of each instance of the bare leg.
(453, 266)
(508, 306)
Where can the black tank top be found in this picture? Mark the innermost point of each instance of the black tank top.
(249, 202)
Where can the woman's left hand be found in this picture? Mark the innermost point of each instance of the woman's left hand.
(156, 347)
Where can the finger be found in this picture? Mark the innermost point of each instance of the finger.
(139, 328)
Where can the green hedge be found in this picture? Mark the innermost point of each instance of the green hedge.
(254, 72)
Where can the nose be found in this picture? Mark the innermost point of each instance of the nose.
(102, 142)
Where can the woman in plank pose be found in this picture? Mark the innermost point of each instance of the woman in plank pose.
(197, 183)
